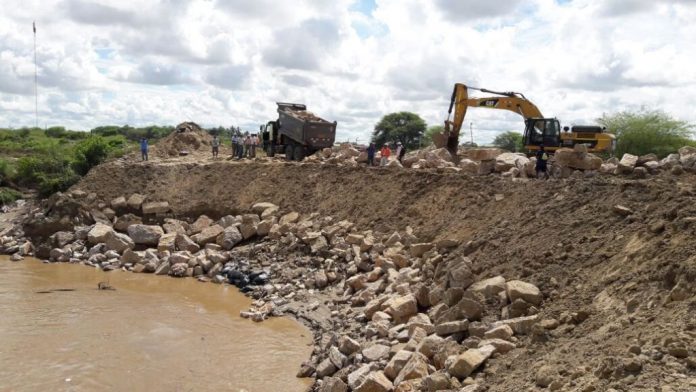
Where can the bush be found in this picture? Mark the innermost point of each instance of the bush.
(8, 195)
(91, 152)
(647, 131)
(49, 173)
(511, 141)
(55, 132)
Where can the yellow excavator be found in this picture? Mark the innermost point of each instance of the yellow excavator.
(538, 129)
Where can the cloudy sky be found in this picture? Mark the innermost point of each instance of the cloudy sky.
(225, 62)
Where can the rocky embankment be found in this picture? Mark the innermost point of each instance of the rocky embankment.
(387, 309)
(413, 281)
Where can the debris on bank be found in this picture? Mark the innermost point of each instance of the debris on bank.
(565, 162)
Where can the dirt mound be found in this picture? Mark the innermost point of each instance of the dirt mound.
(187, 138)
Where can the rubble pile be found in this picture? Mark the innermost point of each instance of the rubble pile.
(565, 163)
(388, 310)
(185, 139)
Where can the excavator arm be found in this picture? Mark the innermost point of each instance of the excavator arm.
(460, 101)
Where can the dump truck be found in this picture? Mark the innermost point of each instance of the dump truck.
(297, 132)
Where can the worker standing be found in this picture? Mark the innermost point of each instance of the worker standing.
(240, 145)
(247, 144)
(400, 151)
(253, 144)
(143, 148)
(371, 150)
(235, 141)
(385, 152)
(216, 146)
(541, 160)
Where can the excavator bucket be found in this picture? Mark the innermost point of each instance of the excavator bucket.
(450, 137)
(440, 139)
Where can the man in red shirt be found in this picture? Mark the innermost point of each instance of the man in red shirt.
(386, 153)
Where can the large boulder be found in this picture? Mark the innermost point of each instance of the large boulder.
(229, 237)
(119, 242)
(207, 235)
(396, 363)
(119, 203)
(626, 164)
(145, 234)
(201, 223)
(507, 161)
(259, 208)
(167, 242)
(333, 384)
(486, 167)
(156, 207)
(670, 161)
(468, 166)
(523, 290)
(574, 159)
(415, 368)
(135, 201)
(184, 242)
(375, 382)
(401, 308)
(439, 154)
(483, 154)
(489, 287)
(124, 221)
(99, 233)
(687, 156)
(464, 364)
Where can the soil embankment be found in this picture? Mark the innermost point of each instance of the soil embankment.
(609, 258)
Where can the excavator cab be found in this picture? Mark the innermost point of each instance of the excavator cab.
(542, 131)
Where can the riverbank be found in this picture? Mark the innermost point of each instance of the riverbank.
(415, 279)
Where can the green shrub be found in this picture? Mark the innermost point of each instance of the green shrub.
(647, 131)
(49, 173)
(8, 195)
(511, 141)
(91, 152)
(55, 132)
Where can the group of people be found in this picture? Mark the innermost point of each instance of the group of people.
(385, 154)
(243, 146)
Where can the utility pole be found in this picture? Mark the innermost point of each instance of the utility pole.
(36, 88)
(471, 132)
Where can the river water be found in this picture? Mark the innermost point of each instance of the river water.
(153, 333)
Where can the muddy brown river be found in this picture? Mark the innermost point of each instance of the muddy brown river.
(153, 333)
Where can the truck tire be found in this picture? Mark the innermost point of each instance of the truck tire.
(270, 150)
(299, 153)
(288, 152)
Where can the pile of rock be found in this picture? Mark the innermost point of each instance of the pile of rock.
(388, 309)
(566, 162)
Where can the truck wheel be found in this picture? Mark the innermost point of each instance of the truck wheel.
(288, 152)
(299, 153)
(270, 151)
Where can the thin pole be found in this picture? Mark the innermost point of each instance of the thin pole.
(36, 88)
(471, 131)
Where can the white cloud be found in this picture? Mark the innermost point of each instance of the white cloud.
(228, 62)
